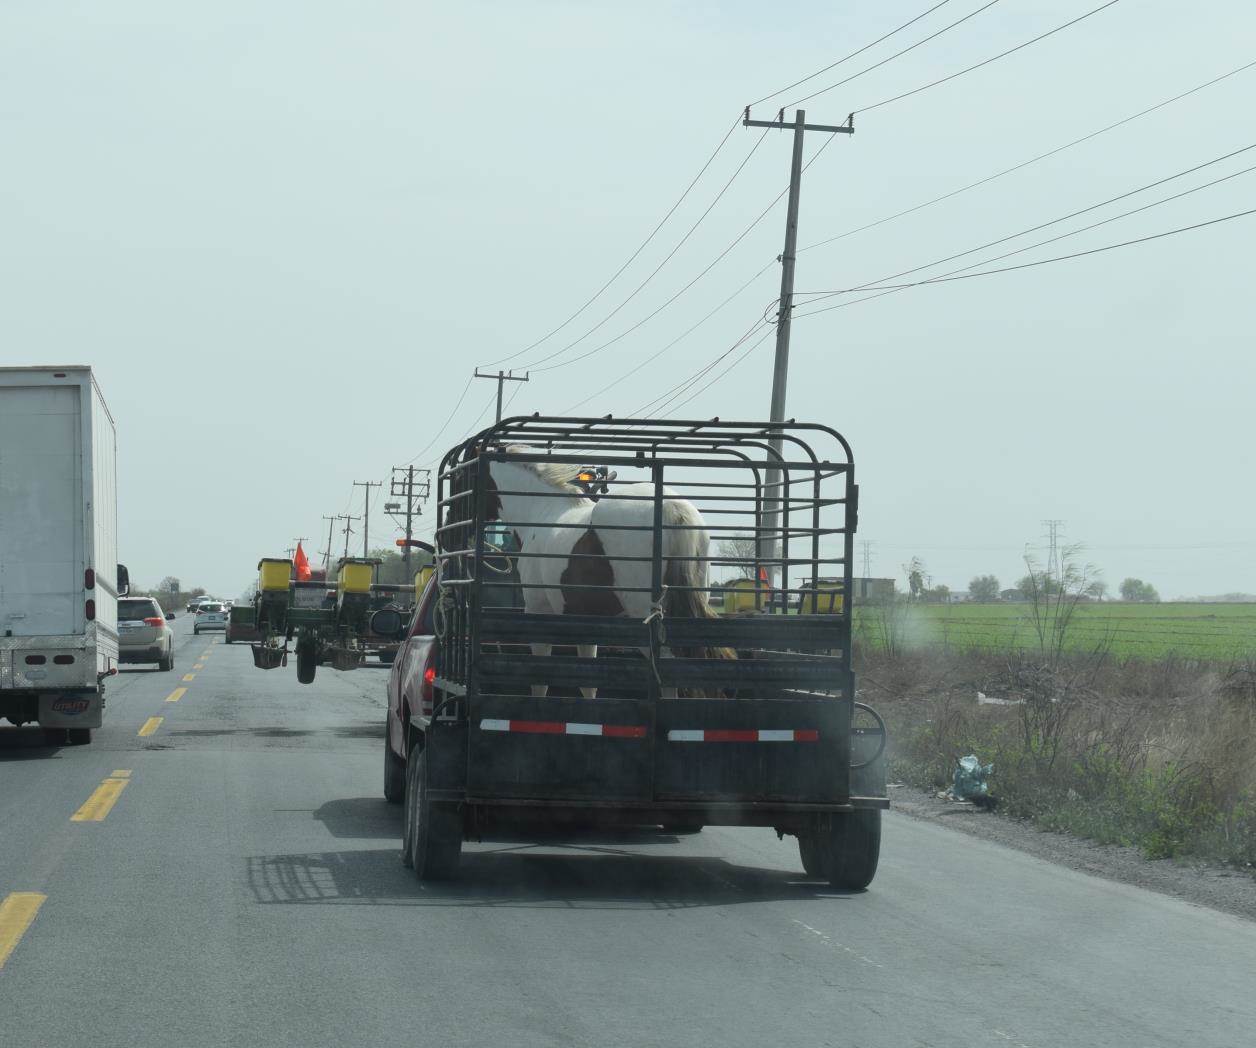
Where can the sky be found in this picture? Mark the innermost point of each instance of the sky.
(284, 233)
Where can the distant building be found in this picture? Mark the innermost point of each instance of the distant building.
(872, 591)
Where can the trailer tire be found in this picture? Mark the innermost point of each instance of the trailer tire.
(394, 773)
(852, 848)
(811, 855)
(79, 736)
(435, 829)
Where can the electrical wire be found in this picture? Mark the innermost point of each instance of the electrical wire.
(1027, 163)
(445, 425)
(1076, 254)
(631, 258)
(987, 61)
(658, 353)
(817, 296)
(897, 54)
(853, 54)
(655, 402)
(534, 365)
(711, 265)
(720, 377)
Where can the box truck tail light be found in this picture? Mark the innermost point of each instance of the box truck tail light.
(425, 692)
(89, 609)
(154, 621)
(89, 578)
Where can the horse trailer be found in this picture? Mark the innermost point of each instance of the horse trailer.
(577, 675)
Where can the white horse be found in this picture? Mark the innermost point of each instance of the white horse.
(589, 550)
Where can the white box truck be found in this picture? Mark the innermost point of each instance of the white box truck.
(59, 572)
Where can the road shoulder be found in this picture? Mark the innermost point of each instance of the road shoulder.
(1218, 887)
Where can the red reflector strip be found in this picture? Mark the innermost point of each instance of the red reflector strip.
(610, 731)
(743, 735)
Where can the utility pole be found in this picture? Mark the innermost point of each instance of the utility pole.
(500, 378)
(414, 486)
(780, 371)
(366, 512)
(331, 524)
(348, 530)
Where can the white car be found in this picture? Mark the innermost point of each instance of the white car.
(212, 615)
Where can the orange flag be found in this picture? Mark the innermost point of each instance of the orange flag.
(302, 563)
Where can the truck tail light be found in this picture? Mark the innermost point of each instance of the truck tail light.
(89, 578)
(154, 621)
(426, 691)
(89, 609)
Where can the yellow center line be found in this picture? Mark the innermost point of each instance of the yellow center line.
(198, 666)
(189, 676)
(151, 725)
(17, 913)
(176, 695)
(103, 798)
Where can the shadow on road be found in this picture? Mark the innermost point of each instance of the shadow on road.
(522, 876)
(371, 731)
(360, 817)
(26, 744)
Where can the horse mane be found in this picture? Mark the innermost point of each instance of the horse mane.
(555, 474)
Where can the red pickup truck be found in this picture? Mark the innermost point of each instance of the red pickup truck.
(409, 690)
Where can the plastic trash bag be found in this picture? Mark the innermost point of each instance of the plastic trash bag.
(970, 783)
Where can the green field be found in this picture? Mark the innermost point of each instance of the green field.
(1201, 631)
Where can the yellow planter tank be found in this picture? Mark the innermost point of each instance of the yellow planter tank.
(827, 599)
(274, 574)
(420, 581)
(355, 577)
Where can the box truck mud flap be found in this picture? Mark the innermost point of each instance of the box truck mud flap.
(71, 710)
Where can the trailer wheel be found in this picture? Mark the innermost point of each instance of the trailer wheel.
(394, 773)
(307, 665)
(812, 856)
(435, 829)
(852, 848)
(79, 736)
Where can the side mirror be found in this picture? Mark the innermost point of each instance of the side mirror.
(386, 623)
(124, 581)
(170, 616)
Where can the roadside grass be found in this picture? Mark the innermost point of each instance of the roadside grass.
(1148, 631)
(1155, 753)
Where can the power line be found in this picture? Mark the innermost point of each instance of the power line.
(658, 353)
(1059, 258)
(853, 54)
(711, 265)
(723, 374)
(631, 258)
(445, 425)
(657, 402)
(879, 283)
(1027, 163)
(533, 366)
(897, 54)
(987, 61)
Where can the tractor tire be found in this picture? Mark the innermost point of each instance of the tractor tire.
(851, 848)
(394, 773)
(307, 665)
(435, 829)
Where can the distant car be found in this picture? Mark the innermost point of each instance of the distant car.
(196, 602)
(212, 615)
(143, 635)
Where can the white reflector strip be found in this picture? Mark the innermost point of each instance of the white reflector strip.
(743, 735)
(494, 725)
(583, 729)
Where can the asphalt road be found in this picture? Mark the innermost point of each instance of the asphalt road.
(235, 881)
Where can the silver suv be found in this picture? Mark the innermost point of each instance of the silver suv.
(211, 615)
(143, 635)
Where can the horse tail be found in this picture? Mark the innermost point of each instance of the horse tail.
(686, 575)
